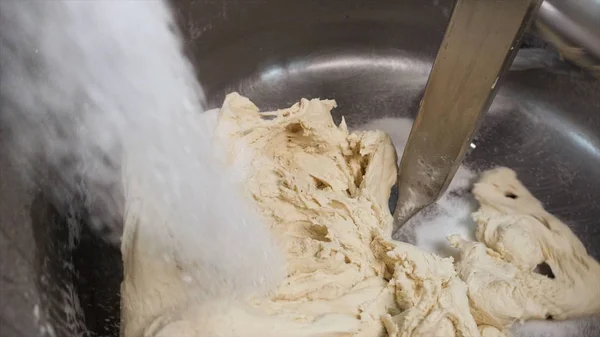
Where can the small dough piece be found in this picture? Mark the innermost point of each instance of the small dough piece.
(516, 236)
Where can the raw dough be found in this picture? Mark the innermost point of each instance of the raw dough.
(517, 236)
(323, 193)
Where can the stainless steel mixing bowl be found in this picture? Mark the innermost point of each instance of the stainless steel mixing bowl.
(373, 57)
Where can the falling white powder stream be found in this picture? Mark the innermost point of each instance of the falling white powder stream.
(83, 83)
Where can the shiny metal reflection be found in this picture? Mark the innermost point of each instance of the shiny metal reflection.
(479, 45)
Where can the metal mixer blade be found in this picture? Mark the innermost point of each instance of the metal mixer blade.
(479, 45)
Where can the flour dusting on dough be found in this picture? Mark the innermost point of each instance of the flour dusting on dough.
(322, 192)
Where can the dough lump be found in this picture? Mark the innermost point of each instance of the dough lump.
(323, 194)
(527, 263)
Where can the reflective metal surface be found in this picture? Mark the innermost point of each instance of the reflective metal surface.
(576, 20)
(374, 58)
(573, 28)
(478, 47)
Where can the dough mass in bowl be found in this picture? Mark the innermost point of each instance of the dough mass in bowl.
(323, 193)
